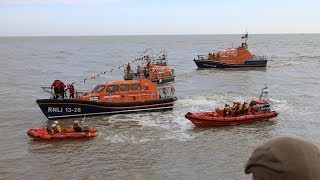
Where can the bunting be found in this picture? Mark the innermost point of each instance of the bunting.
(94, 77)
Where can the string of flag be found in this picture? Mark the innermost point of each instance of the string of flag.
(143, 57)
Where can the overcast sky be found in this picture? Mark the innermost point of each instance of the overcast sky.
(157, 17)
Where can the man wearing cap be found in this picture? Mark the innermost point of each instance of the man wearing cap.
(285, 158)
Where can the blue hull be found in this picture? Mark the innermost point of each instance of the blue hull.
(64, 108)
(217, 64)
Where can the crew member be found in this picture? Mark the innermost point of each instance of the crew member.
(55, 87)
(235, 106)
(58, 127)
(76, 126)
(61, 87)
(53, 128)
(245, 107)
(128, 70)
(240, 109)
(71, 91)
(226, 110)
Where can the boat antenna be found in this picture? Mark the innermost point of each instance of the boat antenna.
(83, 120)
(264, 91)
(246, 35)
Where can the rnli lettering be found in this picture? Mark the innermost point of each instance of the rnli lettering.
(54, 109)
(61, 110)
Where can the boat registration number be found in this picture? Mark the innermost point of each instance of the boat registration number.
(61, 110)
(210, 65)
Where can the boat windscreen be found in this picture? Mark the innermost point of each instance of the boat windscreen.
(98, 88)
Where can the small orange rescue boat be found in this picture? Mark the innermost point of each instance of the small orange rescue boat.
(42, 134)
(259, 110)
(211, 119)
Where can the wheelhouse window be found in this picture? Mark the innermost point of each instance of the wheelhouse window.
(135, 87)
(124, 87)
(112, 88)
(98, 88)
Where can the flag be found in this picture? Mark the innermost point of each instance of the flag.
(245, 36)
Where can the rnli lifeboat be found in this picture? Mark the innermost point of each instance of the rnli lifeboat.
(124, 96)
(41, 134)
(156, 70)
(231, 58)
(259, 110)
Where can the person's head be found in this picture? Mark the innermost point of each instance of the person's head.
(284, 158)
(56, 122)
(75, 122)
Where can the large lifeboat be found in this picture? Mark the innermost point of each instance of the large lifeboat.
(156, 69)
(42, 134)
(122, 96)
(259, 110)
(231, 58)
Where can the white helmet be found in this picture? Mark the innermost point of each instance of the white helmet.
(75, 122)
(54, 125)
(56, 122)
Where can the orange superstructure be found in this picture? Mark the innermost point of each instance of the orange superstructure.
(123, 96)
(123, 91)
(155, 69)
(231, 58)
(233, 55)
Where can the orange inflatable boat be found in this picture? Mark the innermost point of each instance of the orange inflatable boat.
(258, 110)
(211, 119)
(41, 134)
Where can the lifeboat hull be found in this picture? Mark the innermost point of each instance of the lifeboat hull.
(164, 80)
(217, 64)
(64, 108)
(41, 134)
(208, 120)
(157, 80)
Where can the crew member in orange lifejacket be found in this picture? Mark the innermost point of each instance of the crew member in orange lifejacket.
(71, 91)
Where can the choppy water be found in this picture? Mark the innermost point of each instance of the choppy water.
(154, 145)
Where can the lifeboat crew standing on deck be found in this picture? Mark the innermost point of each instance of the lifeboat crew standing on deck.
(61, 87)
(71, 91)
(128, 70)
(76, 126)
(226, 110)
(55, 87)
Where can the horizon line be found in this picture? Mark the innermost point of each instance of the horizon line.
(155, 34)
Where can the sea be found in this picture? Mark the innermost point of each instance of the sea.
(154, 145)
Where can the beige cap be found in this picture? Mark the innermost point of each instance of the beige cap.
(285, 158)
